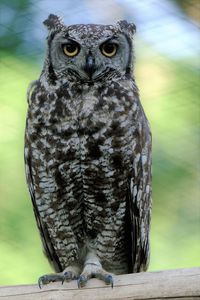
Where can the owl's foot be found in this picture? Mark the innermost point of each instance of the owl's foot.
(93, 270)
(68, 274)
(45, 279)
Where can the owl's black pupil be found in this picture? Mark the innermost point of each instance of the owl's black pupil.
(70, 47)
(109, 48)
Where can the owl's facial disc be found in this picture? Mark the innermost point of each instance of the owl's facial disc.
(89, 60)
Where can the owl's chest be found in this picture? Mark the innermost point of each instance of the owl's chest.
(86, 113)
(86, 129)
(95, 136)
(85, 144)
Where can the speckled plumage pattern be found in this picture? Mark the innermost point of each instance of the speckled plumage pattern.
(88, 155)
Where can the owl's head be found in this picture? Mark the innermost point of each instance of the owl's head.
(90, 52)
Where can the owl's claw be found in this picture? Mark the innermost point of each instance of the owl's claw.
(45, 279)
(40, 282)
(94, 270)
(70, 273)
(89, 271)
(81, 281)
(109, 280)
(67, 276)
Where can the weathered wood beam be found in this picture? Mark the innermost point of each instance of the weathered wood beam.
(170, 284)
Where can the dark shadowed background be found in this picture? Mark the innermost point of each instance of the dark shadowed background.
(167, 69)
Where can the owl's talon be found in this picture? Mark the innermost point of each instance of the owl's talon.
(39, 283)
(67, 276)
(45, 279)
(63, 280)
(81, 281)
(109, 280)
(42, 281)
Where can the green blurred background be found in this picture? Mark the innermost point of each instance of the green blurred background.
(167, 73)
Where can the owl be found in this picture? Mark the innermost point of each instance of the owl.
(88, 154)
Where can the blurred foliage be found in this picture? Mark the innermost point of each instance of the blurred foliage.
(190, 7)
(173, 118)
(170, 95)
(15, 18)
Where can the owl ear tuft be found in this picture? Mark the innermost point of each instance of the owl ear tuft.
(53, 22)
(128, 28)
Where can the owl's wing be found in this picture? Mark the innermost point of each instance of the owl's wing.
(47, 245)
(46, 241)
(139, 201)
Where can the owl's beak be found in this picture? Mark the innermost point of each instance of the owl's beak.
(90, 65)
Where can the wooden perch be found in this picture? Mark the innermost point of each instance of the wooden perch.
(171, 284)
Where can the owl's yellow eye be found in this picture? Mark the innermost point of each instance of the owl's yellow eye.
(71, 49)
(109, 49)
